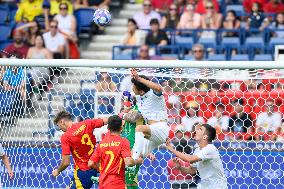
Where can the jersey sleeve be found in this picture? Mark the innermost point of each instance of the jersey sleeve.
(2, 152)
(96, 155)
(65, 145)
(207, 153)
(125, 149)
(95, 123)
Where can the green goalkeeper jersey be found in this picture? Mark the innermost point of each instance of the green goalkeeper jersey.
(131, 173)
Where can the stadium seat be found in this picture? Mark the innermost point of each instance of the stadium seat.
(170, 56)
(263, 57)
(217, 57)
(180, 40)
(240, 57)
(276, 41)
(239, 9)
(4, 44)
(84, 17)
(255, 42)
(4, 13)
(6, 102)
(208, 42)
(122, 57)
(12, 14)
(188, 57)
(5, 32)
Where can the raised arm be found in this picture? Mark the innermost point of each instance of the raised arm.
(188, 170)
(154, 86)
(7, 164)
(65, 162)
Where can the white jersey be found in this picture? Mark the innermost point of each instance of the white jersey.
(152, 106)
(210, 168)
(2, 152)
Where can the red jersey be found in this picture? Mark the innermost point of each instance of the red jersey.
(80, 141)
(110, 153)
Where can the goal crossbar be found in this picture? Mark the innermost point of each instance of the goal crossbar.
(142, 63)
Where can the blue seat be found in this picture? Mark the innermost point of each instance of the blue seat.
(208, 42)
(186, 41)
(122, 57)
(239, 9)
(263, 57)
(240, 57)
(276, 41)
(4, 44)
(170, 56)
(5, 32)
(7, 100)
(84, 17)
(12, 15)
(217, 57)
(232, 42)
(4, 15)
(188, 57)
(256, 42)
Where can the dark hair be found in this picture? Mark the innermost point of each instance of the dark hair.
(114, 123)
(53, 21)
(64, 3)
(131, 20)
(210, 131)
(239, 101)
(43, 43)
(154, 21)
(62, 115)
(140, 86)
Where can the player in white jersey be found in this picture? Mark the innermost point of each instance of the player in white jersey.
(206, 159)
(6, 162)
(151, 103)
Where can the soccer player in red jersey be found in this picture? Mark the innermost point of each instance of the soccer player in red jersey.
(78, 140)
(112, 155)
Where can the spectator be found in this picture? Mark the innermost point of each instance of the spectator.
(40, 75)
(126, 84)
(18, 47)
(179, 179)
(29, 9)
(240, 121)
(54, 41)
(201, 6)
(14, 82)
(274, 6)
(171, 19)
(179, 135)
(210, 20)
(247, 4)
(189, 19)
(105, 84)
(144, 53)
(6, 162)
(134, 36)
(219, 121)
(66, 22)
(54, 6)
(181, 4)
(156, 36)
(192, 109)
(80, 4)
(256, 20)
(33, 30)
(161, 6)
(144, 17)
(278, 24)
(198, 52)
(270, 120)
(231, 22)
(180, 85)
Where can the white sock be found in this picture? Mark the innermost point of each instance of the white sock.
(138, 145)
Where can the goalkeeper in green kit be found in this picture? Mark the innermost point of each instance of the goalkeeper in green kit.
(132, 117)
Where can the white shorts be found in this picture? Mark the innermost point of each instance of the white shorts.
(159, 134)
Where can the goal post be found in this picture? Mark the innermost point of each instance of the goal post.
(251, 149)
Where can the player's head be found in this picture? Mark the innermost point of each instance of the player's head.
(62, 120)
(138, 87)
(205, 132)
(114, 123)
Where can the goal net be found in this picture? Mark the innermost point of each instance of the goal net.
(245, 105)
